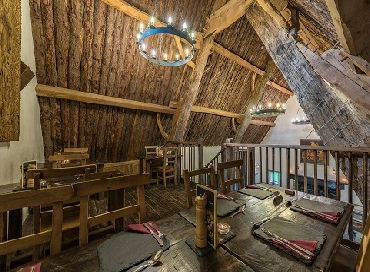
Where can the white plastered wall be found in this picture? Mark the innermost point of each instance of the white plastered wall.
(30, 144)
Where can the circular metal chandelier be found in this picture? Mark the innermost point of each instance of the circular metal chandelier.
(163, 57)
(270, 111)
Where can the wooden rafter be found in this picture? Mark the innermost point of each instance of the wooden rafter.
(220, 19)
(343, 33)
(92, 98)
(258, 92)
(224, 52)
(225, 16)
(161, 130)
(142, 16)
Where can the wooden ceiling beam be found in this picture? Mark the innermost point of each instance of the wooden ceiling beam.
(225, 16)
(351, 21)
(228, 54)
(92, 98)
(142, 16)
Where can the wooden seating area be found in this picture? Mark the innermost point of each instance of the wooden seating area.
(230, 173)
(69, 157)
(168, 170)
(201, 175)
(59, 199)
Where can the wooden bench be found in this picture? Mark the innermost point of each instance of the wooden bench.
(18, 200)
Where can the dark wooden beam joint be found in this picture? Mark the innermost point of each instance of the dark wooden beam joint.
(26, 75)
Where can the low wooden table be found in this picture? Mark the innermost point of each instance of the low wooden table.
(244, 252)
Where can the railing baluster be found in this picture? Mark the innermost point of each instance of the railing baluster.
(281, 172)
(267, 164)
(337, 181)
(315, 187)
(296, 168)
(326, 173)
(304, 170)
(249, 165)
(287, 154)
(350, 194)
(260, 148)
(364, 185)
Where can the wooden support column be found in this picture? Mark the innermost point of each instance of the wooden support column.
(261, 83)
(182, 115)
(333, 118)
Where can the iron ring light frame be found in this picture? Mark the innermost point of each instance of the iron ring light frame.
(267, 112)
(166, 30)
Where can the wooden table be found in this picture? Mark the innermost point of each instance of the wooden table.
(244, 252)
(261, 256)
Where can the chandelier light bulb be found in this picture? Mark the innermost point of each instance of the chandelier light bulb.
(270, 105)
(165, 56)
(177, 57)
(141, 27)
(152, 21)
(186, 52)
(143, 47)
(283, 106)
(192, 35)
(138, 35)
(169, 20)
(154, 53)
(260, 107)
(277, 105)
(184, 26)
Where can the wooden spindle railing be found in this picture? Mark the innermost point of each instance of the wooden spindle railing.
(317, 179)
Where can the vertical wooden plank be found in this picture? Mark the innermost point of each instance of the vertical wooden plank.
(337, 181)
(84, 218)
(267, 164)
(141, 201)
(261, 166)
(350, 194)
(189, 201)
(280, 167)
(304, 171)
(315, 189)
(364, 186)
(296, 168)
(56, 228)
(326, 158)
(287, 159)
(200, 156)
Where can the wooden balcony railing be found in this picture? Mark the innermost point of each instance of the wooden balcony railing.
(319, 170)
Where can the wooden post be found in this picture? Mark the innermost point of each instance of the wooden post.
(287, 169)
(84, 216)
(57, 228)
(141, 202)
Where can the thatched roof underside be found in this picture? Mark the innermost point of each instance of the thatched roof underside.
(91, 47)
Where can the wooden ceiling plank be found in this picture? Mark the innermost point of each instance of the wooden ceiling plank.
(142, 16)
(225, 16)
(92, 98)
(225, 52)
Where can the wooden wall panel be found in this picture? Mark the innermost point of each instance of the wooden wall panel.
(10, 69)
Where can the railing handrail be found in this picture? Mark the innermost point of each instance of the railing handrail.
(307, 147)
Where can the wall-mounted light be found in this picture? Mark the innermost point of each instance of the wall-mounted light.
(257, 165)
(334, 171)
